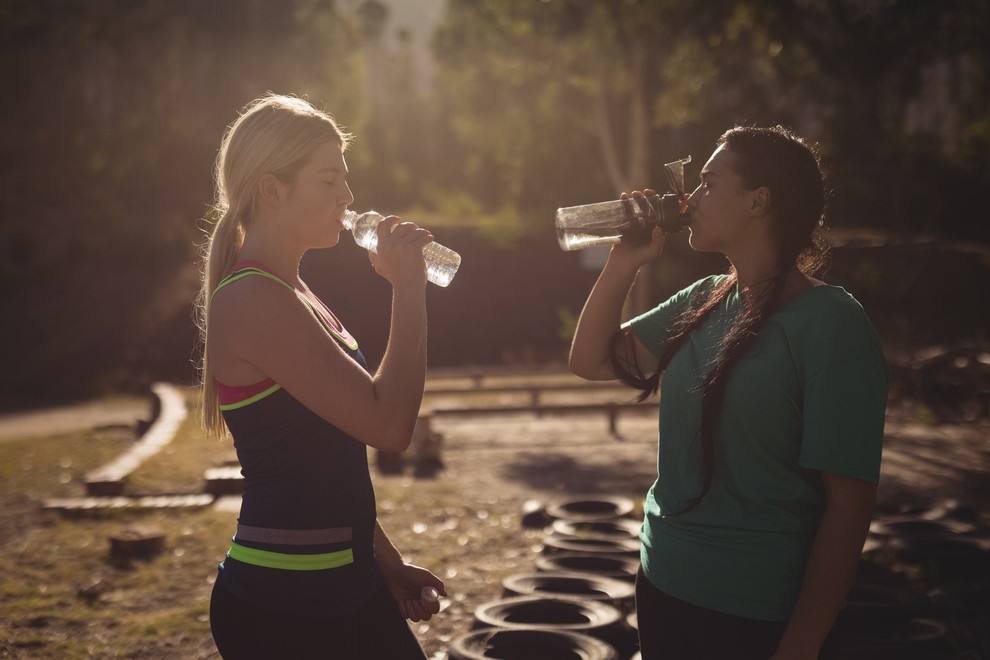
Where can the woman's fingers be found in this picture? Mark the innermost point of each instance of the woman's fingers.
(395, 231)
(400, 250)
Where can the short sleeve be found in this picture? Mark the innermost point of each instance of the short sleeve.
(653, 327)
(845, 396)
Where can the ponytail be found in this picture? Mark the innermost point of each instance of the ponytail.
(221, 252)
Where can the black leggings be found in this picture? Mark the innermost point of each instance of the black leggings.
(671, 628)
(376, 630)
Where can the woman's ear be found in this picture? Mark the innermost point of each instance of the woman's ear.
(270, 190)
(760, 202)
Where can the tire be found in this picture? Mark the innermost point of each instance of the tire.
(951, 557)
(612, 530)
(591, 508)
(870, 608)
(571, 585)
(916, 639)
(523, 644)
(910, 527)
(588, 617)
(612, 565)
(622, 548)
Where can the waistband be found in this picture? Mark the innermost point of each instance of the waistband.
(289, 562)
(293, 536)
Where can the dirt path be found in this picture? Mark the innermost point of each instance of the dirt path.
(65, 419)
(522, 454)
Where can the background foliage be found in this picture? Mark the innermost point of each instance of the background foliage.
(115, 110)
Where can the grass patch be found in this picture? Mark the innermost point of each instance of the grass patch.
(67, 581)
(179, 466)
(55, 466)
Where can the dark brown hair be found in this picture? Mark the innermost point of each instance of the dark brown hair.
(789, 168)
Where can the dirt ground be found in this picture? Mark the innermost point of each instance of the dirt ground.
(500, 462)
(465, 522)
(90, 414)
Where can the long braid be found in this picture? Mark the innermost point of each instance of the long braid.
(734, 346)
(623, 358)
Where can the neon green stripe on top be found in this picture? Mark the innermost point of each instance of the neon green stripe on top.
(267, 559)
(240, 274)
(342, 335)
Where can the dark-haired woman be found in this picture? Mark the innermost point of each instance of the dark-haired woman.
(772, 409)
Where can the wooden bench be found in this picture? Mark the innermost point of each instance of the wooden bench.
(611, 409)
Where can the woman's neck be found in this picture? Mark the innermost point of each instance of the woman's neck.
(282, 262)
(756, 288)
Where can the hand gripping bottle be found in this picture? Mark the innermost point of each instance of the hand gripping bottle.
(441, 262)
(607, 223)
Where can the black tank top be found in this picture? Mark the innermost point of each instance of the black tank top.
(305, 537)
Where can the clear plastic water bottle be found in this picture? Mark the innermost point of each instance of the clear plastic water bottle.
(441, 262)
(625, 220)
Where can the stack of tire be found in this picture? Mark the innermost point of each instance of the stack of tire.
(578, 602)
(923, 587)
(922, 590)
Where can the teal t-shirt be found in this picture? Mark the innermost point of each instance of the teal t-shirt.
(809, 395)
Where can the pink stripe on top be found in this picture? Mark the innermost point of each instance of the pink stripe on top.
(228, 394)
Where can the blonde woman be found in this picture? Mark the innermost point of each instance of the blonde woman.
(310, 572)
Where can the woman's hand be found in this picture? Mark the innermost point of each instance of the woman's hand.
(635, 255)
(406, 583)
(400, 251)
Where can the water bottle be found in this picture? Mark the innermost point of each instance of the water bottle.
(441, 262)
(629, 220)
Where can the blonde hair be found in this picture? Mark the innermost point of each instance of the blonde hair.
(273, 134)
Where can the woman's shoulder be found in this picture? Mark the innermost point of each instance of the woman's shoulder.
(693, 294)
(829, 318)
(249, 301)
(701, 287)
(826, 300)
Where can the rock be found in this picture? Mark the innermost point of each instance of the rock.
(137, 542)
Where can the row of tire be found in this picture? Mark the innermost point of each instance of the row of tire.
(580, 601)
(923, 587)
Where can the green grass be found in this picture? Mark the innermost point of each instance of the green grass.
(133, 603)
(179, 466)
(49, 559)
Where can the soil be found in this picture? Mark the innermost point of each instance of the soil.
(465, 522)
(501, 462)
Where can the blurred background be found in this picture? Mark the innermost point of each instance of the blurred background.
(476, 118)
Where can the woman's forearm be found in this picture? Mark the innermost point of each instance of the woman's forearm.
(401, 375)
(831, 566)
(386, 552)
(599, 321)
